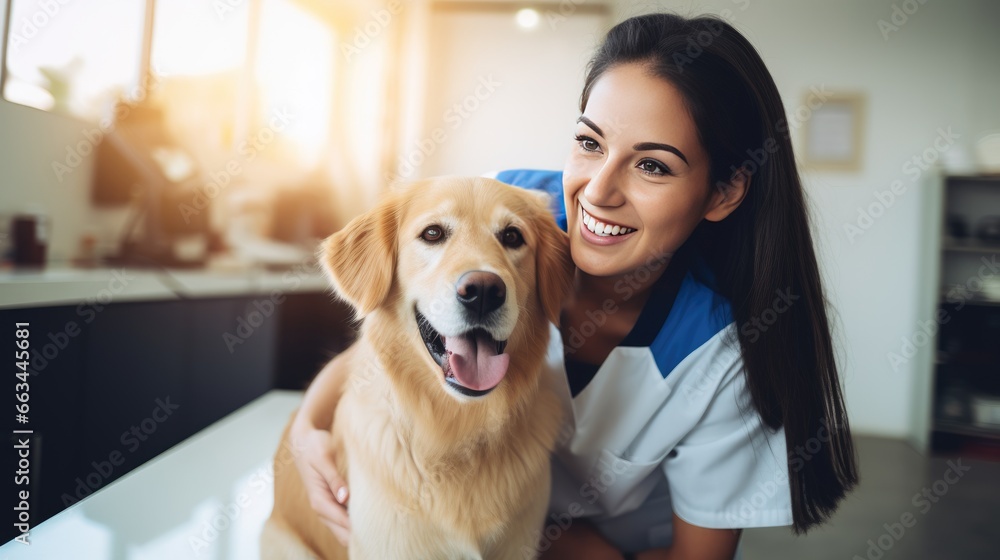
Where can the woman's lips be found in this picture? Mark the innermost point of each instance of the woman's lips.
(609, 233)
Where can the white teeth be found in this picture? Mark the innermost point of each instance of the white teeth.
(603, 229)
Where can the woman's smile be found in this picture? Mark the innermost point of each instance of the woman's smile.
(602, 232)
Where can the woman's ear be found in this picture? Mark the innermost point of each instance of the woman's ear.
(726, 197)
(360, 259)
(554, 267)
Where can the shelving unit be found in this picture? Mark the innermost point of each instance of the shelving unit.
(966, 363)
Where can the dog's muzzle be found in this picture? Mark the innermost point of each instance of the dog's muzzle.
(473, 363)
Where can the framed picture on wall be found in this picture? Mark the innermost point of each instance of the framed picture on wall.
(833, 133)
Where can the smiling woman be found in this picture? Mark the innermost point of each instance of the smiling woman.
(683, 416)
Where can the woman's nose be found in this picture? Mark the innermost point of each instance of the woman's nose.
(603, 189)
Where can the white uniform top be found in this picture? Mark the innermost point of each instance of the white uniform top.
(666, 424)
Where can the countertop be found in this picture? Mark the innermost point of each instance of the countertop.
(73, 286)
(206, 498)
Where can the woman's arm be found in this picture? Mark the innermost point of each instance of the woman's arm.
(582, 541)
(310, 435)
(321, 398)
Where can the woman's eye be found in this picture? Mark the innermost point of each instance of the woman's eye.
(432, 234)
(588, 144)
(511, 238)
(651, 167)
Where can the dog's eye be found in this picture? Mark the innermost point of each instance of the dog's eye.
(432, 234)
(512, 238)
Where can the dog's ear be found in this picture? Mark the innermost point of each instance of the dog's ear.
(360, 259)
(554, 267)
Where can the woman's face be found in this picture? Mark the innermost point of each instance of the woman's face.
(637, 168)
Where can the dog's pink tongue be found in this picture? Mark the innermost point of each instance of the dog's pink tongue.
(474, 361)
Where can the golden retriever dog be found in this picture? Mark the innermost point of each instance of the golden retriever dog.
(446, 421)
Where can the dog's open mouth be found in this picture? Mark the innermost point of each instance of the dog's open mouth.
(473, 363)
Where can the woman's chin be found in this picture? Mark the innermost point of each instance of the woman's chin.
(602, 265)
(598, 265)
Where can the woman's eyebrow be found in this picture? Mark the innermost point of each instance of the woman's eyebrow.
(591, 124)
(641, 146)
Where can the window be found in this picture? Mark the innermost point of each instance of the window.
(75, 58)
(294, 73)
(220, 71)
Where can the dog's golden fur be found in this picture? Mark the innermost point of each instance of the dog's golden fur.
(433, 475)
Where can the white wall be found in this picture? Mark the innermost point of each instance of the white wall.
(525, 117)
(30, 140)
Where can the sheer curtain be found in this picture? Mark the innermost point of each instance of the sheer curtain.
(377, 95)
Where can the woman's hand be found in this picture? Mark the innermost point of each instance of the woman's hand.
(580, 541)
(326, 489)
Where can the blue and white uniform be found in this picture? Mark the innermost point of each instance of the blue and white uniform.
(666, 423)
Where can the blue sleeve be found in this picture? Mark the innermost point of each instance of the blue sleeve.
(539, 180)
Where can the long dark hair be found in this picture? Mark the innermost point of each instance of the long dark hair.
(762, 249)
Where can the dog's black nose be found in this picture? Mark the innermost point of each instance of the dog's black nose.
(481, 292)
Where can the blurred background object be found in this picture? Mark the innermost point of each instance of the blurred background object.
(29, 234)
(988, 152)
